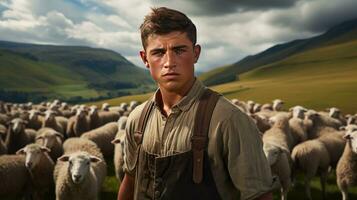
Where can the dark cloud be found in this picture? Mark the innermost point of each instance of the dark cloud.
(222, 7)
(316, 16)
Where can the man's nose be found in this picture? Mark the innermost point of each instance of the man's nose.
(170, 59)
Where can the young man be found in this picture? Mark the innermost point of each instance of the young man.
(158, 160)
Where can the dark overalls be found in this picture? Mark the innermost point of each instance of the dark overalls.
(181, 176)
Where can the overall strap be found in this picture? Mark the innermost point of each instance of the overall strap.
(199, 140)
(138, 134)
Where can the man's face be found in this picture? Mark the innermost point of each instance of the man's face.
(170, 59)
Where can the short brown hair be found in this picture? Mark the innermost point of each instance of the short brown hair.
(164, 20)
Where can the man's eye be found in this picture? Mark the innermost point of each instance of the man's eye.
(179, 51)
(158, 53)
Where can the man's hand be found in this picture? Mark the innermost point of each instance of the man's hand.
(126, 190)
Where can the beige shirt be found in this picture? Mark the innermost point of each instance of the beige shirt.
(234, 148)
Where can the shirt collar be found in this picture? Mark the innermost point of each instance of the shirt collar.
(186, 102)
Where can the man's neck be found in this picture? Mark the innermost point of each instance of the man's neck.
(171, 98)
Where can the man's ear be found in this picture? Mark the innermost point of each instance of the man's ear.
(144, 59)
(197, 51)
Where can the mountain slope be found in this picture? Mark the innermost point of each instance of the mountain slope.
(341, 33)
(68, 71)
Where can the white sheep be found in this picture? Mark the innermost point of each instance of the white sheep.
(78, 124)
(35, 119)
(336, 113)
(280, 163)
(40, 166)
(311, 157)
(346, 171)
(280, 131)
(103, 136)
(18, 136)
(80, 172)
(51, 139)
(52, 121)
(298, 111)
(278, 105)
(119, 147)
(14, 177)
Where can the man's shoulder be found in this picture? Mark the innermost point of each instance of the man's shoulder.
(136, 113)
(225, 109)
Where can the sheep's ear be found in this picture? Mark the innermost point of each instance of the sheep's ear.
(63, 158)
(45, 149)
(20, 151)
(59, 135)
(347, 136)
(116, 141)
(95, 159)
(39, 137)
(342, 128)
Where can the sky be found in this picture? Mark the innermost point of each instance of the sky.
(228, 30)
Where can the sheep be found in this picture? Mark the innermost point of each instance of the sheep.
(280, 131)
(351, 119)
(241, 105)
(298, 111)
(336, 113)
(257, 107)
(105, 106)
(14, 177)
(118, 149)
(266, 106)
(17, 136)
(280, 163)
(312, 158)
(78, 124)
(52, 121)
(35, 120)
(40, 166)
(3, 149)
(278, 105)
(80, 172)
(250, 105)
(103, 136)
(346, 171)
(99, 118)
(3, 131)
(262, 123)
(319, 123)
(51, 139)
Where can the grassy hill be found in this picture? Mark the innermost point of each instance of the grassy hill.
(344, 32)
(68, 71)
(317, 78)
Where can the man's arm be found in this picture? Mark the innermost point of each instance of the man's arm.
(266, 196)
(126, 189)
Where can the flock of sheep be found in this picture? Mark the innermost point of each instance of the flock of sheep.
(53, 146)
(307, 141)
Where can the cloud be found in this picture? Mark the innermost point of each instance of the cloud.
(228, 30)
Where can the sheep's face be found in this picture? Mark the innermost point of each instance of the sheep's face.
(93, 111)
(311, 115)
(351, 119)
(278, 105)
(79, 165)
(50, 116)
(272, 153)
(334, 112)
(352, 140)
(81, 113)
(33, 154)
(33, 115)
(298, 112)
(17, 125)
(49, 139)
